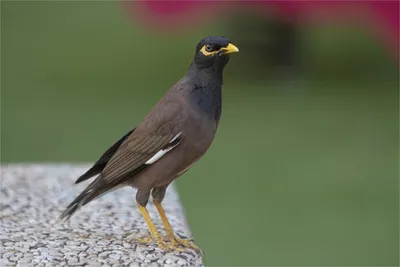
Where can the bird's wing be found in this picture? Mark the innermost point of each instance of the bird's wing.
(103, 160)
(159, 132)
(137, 153)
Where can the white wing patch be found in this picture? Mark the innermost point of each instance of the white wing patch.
(162, 152)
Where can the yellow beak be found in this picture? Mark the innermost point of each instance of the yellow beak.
(230, 48)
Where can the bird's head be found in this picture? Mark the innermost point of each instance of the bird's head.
(213, 52)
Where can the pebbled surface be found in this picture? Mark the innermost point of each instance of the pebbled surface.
(102, 233)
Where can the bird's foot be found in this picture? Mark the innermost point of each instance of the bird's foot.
(169, 244)
(187, 243)
(163, 243)
(182, 243)
(148, 239)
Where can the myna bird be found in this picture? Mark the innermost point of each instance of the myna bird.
(169, 140)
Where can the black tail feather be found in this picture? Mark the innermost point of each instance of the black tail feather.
(85, 197)
(96, 169)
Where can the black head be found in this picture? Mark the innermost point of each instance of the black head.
(213, 52)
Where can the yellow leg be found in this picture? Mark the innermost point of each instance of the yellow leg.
(170, 232)
(167, 226)
(153, 231)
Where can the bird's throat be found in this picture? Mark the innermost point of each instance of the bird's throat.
(205, 75)
(205, 94)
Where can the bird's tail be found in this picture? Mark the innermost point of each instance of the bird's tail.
(85, 197)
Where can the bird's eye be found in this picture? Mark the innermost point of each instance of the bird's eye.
(209, 48)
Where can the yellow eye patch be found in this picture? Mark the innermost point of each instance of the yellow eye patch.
(230, 48)
(206, 53)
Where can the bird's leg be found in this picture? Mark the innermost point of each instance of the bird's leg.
(167, 226)
(158, 195)
(142, 197)
(153, 231)
(170, 232)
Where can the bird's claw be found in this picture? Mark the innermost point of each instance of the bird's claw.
(148, 239)
(187, 243)
(169, 244)
(163, 243)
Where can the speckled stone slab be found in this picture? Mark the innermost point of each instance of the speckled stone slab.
(102, 233)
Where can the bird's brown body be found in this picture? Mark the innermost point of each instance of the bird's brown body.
(198, 134)
(169, 140)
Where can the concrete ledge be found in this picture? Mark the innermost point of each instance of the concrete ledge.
(33, 196)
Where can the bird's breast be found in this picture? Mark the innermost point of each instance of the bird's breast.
(206, 101)
(200, 132)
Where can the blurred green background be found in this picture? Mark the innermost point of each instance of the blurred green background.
(304, 168)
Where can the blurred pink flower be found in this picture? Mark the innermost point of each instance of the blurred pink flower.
(381, 17)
